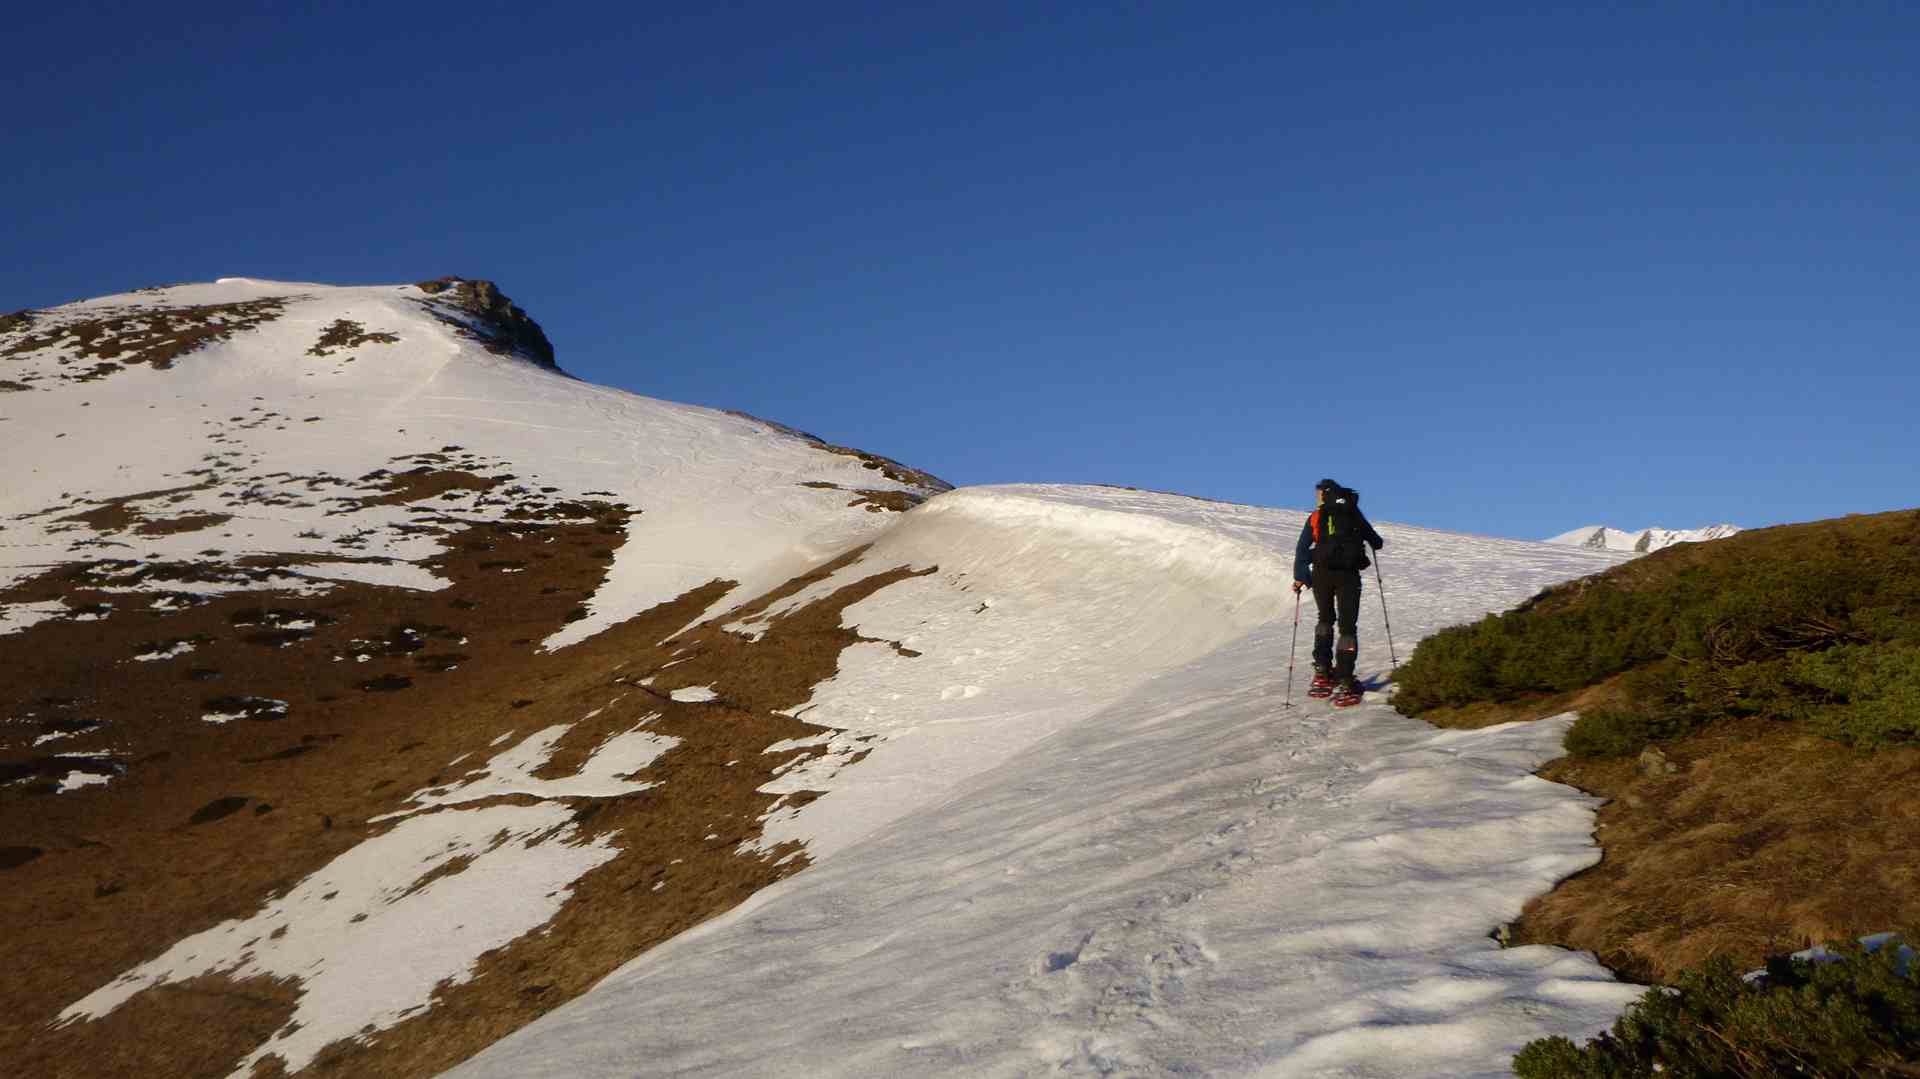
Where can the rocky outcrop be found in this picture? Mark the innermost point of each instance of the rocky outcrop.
(497, 322)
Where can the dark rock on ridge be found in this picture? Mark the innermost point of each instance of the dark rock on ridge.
(500, 324)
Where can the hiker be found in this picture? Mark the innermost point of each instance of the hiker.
(1328, 559)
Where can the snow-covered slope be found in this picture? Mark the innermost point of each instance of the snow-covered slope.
(372, 686)
(1602, 538)
(1094, 841)
(274, 412)
(264, 544)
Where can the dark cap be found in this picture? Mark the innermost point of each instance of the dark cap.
(1327, 485)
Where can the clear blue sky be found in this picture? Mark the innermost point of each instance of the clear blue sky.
(1505, 269)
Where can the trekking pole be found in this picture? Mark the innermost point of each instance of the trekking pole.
(1292, 650)
(1382, 585)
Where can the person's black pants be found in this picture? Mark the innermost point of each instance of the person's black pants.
(1336, 592)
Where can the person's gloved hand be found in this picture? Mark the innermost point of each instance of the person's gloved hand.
(1297, 586)
(1376, 544)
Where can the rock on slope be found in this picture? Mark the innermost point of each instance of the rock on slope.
(327, 617)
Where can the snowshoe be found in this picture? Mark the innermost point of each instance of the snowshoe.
(1322, 686)
(1347, 695)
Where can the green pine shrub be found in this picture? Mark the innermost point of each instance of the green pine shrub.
(1857, 1015)
(1608, 732)
(1816, 623)
(1872, 694)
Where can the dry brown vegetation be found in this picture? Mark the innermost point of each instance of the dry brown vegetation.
(1763, 840)
(424, 482)
(345, 334)
(1752, 828)
(876, 501)
(201, 823)
(155, 336)
(118, 514)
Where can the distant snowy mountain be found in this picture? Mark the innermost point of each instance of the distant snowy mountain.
(376, 697)
(1601, 538)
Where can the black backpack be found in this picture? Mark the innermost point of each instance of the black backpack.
(1343, 535)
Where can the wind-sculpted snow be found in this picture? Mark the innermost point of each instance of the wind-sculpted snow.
(1093, 842)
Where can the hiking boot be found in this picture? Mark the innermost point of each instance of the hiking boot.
(1322, 686)
(1347, 695)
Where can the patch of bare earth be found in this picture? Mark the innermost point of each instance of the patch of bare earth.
(203, 822)
(344, 334)
(876, 501)
(155, 336)
(421, 483)
(120, 514)
(1755, 838)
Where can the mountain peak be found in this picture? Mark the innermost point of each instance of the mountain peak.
(1643, 541)
(503, 327)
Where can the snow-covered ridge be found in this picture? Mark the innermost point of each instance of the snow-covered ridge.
(1602, 538)
(1083, 834)
(284, 385)
(1088, 839)
(1050, 602)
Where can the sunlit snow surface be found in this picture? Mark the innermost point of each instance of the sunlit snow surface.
(718, 496)
(713, 496)
(372, 934)
(1091, 840)
(1084, 837)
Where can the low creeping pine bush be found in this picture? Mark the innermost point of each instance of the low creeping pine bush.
(1815, 623)
(1856, 1014)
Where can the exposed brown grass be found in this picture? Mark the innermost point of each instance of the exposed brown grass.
(887, 501)
(890, 468)
(876, 501)
(1765, 839)
(194, 1029)
(191, 522)
(425, 482)
(118, 514)
(1740, 832)
(152, 336)
(345, 334)
(202, 823)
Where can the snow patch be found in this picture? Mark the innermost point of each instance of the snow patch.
(1643, 541)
